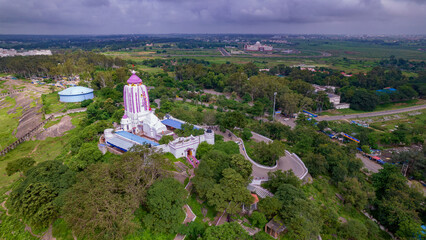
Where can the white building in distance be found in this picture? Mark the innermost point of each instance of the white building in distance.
(258, 47)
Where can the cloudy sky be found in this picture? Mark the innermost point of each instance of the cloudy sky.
(212, 16)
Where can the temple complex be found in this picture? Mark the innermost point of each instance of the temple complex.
(138, 116)
(139, 125)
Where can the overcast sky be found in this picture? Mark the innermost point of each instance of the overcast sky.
(212, 16)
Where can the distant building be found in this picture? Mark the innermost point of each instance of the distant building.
(75, 94)
(275, 227)
(258, 47)
(12, 52)
(386, 90)
(324, 88)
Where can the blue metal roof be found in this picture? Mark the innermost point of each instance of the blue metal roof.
(136, 138)
(173, 123)
(120, 143)
(76, 91)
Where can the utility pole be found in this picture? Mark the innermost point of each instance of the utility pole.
(273, 110)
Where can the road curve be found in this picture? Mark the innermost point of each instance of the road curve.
(371, 114)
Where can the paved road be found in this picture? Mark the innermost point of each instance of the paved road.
(370, 165)
(224, 52)
(371, 114)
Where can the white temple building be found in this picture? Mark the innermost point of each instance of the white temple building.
(140, 126)
(138, 116)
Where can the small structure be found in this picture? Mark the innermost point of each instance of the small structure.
(253, 206)
(386, 90)
(275, 227)
(75, 94)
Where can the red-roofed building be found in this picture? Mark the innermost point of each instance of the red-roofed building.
(253, 206)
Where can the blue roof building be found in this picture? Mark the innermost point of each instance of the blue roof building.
(386, 90)
(124, 141)
(173, 123)
(136, 138)
(75, 94)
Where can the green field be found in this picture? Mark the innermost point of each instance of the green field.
(383, 107)
(9, 119)
(51, 104)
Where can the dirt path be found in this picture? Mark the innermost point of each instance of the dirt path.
(3, 205)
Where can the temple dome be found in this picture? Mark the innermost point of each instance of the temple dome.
(134, 79)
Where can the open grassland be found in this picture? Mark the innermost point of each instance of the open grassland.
(388, 123)
(9, 120)
(362, 49)
(39, 150)
(383, 107)
(51, 104)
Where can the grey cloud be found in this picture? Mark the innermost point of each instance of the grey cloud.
(165, 16)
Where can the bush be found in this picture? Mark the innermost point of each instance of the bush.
(258, 219)
(86, 102)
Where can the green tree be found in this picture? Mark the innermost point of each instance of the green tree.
(353, 230)
(258, 219)
(226, 231)
(278, 178)
(270, 206)
(241, 165)
(268, 154)
(39, 197)
(246, 134)
(87, 154)
(102, 202)
(364, 100)
(354, 193)
(365, 148)
(165, 139)
(165, 200)
(316, 163)
(230, 193)
(19, 165)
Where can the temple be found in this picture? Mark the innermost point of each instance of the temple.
(138, 116)
(139, 125)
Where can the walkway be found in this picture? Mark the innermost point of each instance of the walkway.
(260, 172)
(370, 114)
(189, 214)
(77, 110)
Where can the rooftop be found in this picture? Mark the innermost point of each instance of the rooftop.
(120, 143)
(136, 138)
(78, 90)
(134, 79)
(173, 123)
(276, 224)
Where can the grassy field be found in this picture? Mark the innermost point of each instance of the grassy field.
(383, 107)
(387, 123)
(9, 121)
(51, 104)
(361, 49)
(39, 150)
